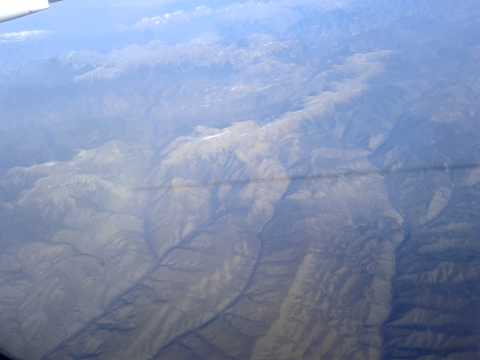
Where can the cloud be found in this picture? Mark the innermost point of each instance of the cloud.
(251, 11)
(21, 36)
(89, 4)
(200, 52)
(142, 3)
(175, 17)
(285, 12)
(209, 47)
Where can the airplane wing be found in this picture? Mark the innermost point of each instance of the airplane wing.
(12, 9)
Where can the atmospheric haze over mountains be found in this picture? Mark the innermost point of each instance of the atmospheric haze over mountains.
(241, 180)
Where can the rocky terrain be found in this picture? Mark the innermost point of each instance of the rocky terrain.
(302, 193)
